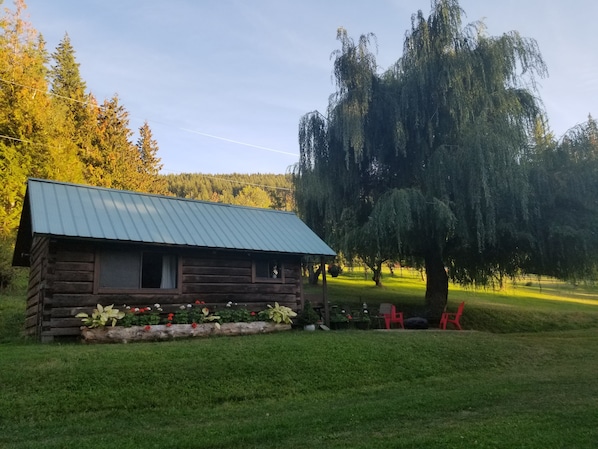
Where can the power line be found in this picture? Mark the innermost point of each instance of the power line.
(195, 174)
(35, 89)
(18, 140)
(243, 183)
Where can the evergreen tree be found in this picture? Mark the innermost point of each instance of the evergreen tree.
(73, 115)
(426, 162)
(113, 160)
(24, 113)
(150, 167)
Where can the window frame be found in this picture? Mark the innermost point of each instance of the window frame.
(139, 251)
(255, 279)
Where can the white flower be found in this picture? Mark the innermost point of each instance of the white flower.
(148, 308)
(182, 307)
(128, 307)
(189, 306)
(229, 304)
(157, 306)
(136, 309)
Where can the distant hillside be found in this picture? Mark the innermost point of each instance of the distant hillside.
(256, 190)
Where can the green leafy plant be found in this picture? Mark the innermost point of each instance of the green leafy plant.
(338, 315)
(308, 315)
(101, 316)
(203, 314)
(141, 316)
(281, 314)
(232, 313)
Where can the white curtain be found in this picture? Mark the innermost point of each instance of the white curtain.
(169, 271)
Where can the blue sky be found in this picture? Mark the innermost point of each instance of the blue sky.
(223, 83)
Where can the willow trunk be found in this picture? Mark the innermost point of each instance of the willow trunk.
(436, 287)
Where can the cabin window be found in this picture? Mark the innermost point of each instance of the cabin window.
(126, 270)
(270, 270)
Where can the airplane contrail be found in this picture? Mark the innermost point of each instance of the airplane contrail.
(239, 143)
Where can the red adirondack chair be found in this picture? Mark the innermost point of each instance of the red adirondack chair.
(454, 318)
(390, 314)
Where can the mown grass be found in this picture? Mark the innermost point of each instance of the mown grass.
(357, 389)
(334, 389)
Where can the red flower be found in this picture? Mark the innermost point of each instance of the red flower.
(168, 324)
(147, 327)
(169, 318)
(193, 325)
(349, 317)
(253, 313)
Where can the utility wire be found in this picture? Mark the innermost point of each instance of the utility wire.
(35, 89)
(2, 136)
(18, 140)
(243, 183)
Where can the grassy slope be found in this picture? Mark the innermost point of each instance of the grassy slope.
(336, 389)
(328, 389)
(543, 306)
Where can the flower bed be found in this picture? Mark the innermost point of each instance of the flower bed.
(109, 325)
(120, 334)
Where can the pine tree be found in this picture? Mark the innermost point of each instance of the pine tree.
(113, 161)
(150, 162)
(72, 111)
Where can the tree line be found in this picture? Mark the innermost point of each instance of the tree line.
(271, 191)
(445, 161)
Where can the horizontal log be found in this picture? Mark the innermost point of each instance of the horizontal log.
(73, 266)
(62, 332)
(73, 300)
(72, 287)
(120, 334)
(213, 298)
(211, 270)
(216, 262)
(267, 288)
(75, 256)
(35, 269)
(64, 322)
(32, 304)
(73, 276)
(31, 322)
(194, 279)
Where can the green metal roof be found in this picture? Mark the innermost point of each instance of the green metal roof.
(80, 211)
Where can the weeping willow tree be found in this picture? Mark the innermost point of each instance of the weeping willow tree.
(565, 185)
(426, 162)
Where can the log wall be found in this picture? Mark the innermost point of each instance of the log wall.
(62, 285)
(35, 291)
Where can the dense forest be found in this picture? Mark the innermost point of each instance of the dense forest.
(256, 190)
(53, 127)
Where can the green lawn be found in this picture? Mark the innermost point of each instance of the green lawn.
(357, 389)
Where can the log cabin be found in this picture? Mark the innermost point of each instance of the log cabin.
(86, 245)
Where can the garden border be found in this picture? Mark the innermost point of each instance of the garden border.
(159, 332)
